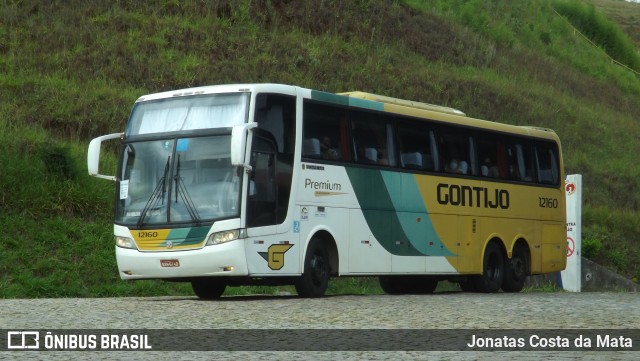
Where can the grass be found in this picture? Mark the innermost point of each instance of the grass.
(601, 31)
(624, 14)
(70, 71)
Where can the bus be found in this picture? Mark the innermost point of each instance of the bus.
(269, 184)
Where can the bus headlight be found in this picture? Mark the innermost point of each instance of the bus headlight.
(226, 236)
(125, 242)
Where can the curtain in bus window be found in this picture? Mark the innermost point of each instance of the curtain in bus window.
(547, 165)
(434, 151)
(391, 153)
(521, 166)
(190, 117)
(525, 163)
(472, 157)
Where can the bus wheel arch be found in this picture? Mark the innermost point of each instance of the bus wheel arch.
(319, 264)
(517, 268)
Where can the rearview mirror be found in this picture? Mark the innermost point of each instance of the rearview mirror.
(239, 135)
(93, 155)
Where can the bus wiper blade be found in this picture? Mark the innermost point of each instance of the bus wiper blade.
(181, 191)
(157, 195)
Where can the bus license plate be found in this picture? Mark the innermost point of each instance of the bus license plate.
(169, 263)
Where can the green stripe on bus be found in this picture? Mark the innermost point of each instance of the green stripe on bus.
(187, 236)
(412, 213)
(393, 215)
(345, 100)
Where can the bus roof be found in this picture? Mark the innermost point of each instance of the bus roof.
(389, 104)
(450, 115)
(406, 103)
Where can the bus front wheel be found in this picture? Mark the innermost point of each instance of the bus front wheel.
(208, 289)
(315, 277)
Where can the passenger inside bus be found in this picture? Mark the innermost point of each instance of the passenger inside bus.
(370, 155)
(488, 169)
(383, 159)
(457, 166)
(329, 150)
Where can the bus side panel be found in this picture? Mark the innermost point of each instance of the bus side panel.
(395, 215)
(316, 219)
(469, 245)
(400, 235)
(503, 211)
(554, 254)
(366, 254)
(325, 202)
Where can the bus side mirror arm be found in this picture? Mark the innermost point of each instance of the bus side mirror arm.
(93, 155)
(239, 135)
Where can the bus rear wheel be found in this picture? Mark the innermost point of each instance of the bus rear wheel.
(315, 277)
(516, 270)
(492, 275)
(208, 289)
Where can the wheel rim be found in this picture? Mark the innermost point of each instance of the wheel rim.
(318, 269)
(517, 264)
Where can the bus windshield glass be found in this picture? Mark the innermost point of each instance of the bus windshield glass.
(188, 113)
(177, 181)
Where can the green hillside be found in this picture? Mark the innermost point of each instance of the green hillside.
(71, 70)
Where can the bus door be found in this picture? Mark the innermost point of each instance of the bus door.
(268, 252)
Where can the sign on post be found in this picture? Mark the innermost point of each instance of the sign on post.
(571, 277)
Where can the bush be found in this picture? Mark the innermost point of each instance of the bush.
(592, 242)
(618, 258)
(58, 161)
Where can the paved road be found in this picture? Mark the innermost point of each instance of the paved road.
(558, 310)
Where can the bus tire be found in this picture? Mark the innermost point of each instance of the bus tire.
(492, 275)
(425, 285)
(468, 284)
(315, 277)
(516, 270)
(417, 285)
(208, 289)
(391, 285)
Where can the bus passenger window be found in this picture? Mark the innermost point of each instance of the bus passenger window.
(488, 168)
(456, 153)
(488, 149)
(311, 148)
(324, 132)
(373, 139)
(417, 146)
(548, 172)
(525, 162)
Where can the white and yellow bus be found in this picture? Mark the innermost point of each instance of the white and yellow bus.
(275, 184)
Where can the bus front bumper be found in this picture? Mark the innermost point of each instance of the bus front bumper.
(227, 259)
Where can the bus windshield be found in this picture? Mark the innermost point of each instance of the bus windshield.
(177, 181)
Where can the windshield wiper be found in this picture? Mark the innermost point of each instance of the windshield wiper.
(157, 194)
(181, 191)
